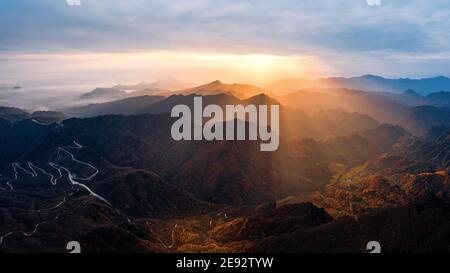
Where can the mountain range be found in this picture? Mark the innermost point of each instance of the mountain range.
(353, 166)
(369, 82)
(99, 95)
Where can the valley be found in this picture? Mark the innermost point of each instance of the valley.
(118, 182)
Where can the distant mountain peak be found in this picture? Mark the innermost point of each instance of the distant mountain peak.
(371, 76)
(368, 82)
(216, 82)
(261, 95)
(440, 77)
(442, 95)
(411, 92)
(261, 99)
(13, 114)
(241, 91)
(103, 94)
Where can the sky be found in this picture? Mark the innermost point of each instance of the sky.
(48, 43)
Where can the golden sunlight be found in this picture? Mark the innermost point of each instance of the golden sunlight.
(197, 67)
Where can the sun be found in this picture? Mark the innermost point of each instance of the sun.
(259, 61)
(263, 68)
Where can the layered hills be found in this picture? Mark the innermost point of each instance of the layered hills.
(353, 166)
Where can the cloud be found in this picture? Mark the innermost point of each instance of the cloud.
(337, 29)
(374, 2)
(219, 24)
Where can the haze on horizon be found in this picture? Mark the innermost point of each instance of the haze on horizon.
(49, 44)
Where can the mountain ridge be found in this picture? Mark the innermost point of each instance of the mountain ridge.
(367, 82)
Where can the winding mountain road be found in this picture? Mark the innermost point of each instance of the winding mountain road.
(74, 180)
(24, 233)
